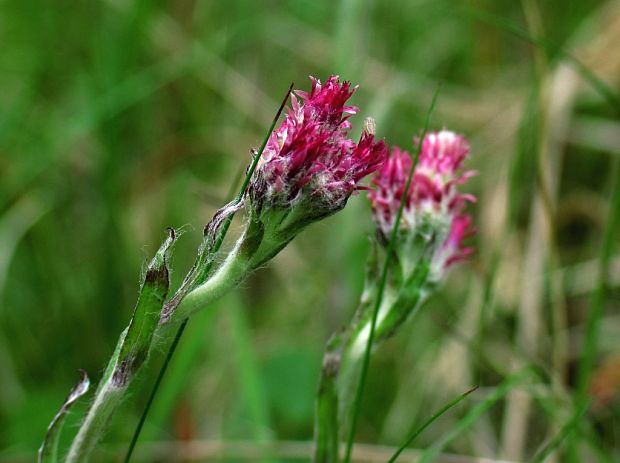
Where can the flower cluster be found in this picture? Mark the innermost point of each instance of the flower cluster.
(433, 202)
(309, 155)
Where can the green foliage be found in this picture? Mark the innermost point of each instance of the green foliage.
(119, 119)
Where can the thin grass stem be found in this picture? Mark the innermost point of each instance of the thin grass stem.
(598, 298)
(160, 377)
(430, 421)
(216, 247)
(381, 288)
(472, 415)
(557, 440)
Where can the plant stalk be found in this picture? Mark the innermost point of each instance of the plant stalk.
(326, 426)
(107, 398)
(227, 276)
(117, 379)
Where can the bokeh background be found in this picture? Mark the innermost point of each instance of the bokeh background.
(119, 118)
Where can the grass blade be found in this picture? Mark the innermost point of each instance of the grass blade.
(510, 27)
(430, 421)
(595, 313)
(559, 438)
(499, 392)
(158, 380)
(217, 245)
(381, 287)
(251, 387)
(185, 357)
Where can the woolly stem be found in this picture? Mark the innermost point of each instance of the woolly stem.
(326, 426)
(344, 354)
(352, 359)
(107, 398)
(232, 271)
(120, 372)
(95, 423)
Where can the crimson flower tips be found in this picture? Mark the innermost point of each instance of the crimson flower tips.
(433, 214)
(310, 167)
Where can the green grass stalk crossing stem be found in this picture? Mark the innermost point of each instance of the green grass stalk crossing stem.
(381, 289)
(218, 244)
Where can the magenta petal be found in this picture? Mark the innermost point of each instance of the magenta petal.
(433, 191)
(311, 147)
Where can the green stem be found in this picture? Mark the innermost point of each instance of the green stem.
(232, 271)
(353, 355)
(207, 268)
(99, 414)
(107, 399)
(132, 351)
(326, 426)
(343, 357)
(160, 377)
(123, 368)
(380, 290)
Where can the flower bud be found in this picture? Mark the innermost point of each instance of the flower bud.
(307, 171)
(433, 210)
(310, 167)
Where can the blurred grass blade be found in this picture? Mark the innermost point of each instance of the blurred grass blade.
(251, 387)
(15, 223)
(595, 313)
(503, 24)
(595, 443)
(430, 421)
(500, 391)
(347, 41)
(216, 246)
(559, 438)
(595, 81)
(382, 283)
(48, 452)
(521, 184)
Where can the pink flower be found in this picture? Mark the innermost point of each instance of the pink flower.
(433, 201)
(309, 156)
(452, 250)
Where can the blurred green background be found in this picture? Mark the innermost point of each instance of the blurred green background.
(120, 118)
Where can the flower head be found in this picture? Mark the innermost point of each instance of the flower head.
(433, 205)
(309, 157)
(309, 167)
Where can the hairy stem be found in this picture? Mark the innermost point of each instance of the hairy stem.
(107, 398)
(232, 271)
(326, 426)
(133, 349)
(344, 354)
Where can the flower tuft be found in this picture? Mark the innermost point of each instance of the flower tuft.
(433, 204)
(309, 155)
